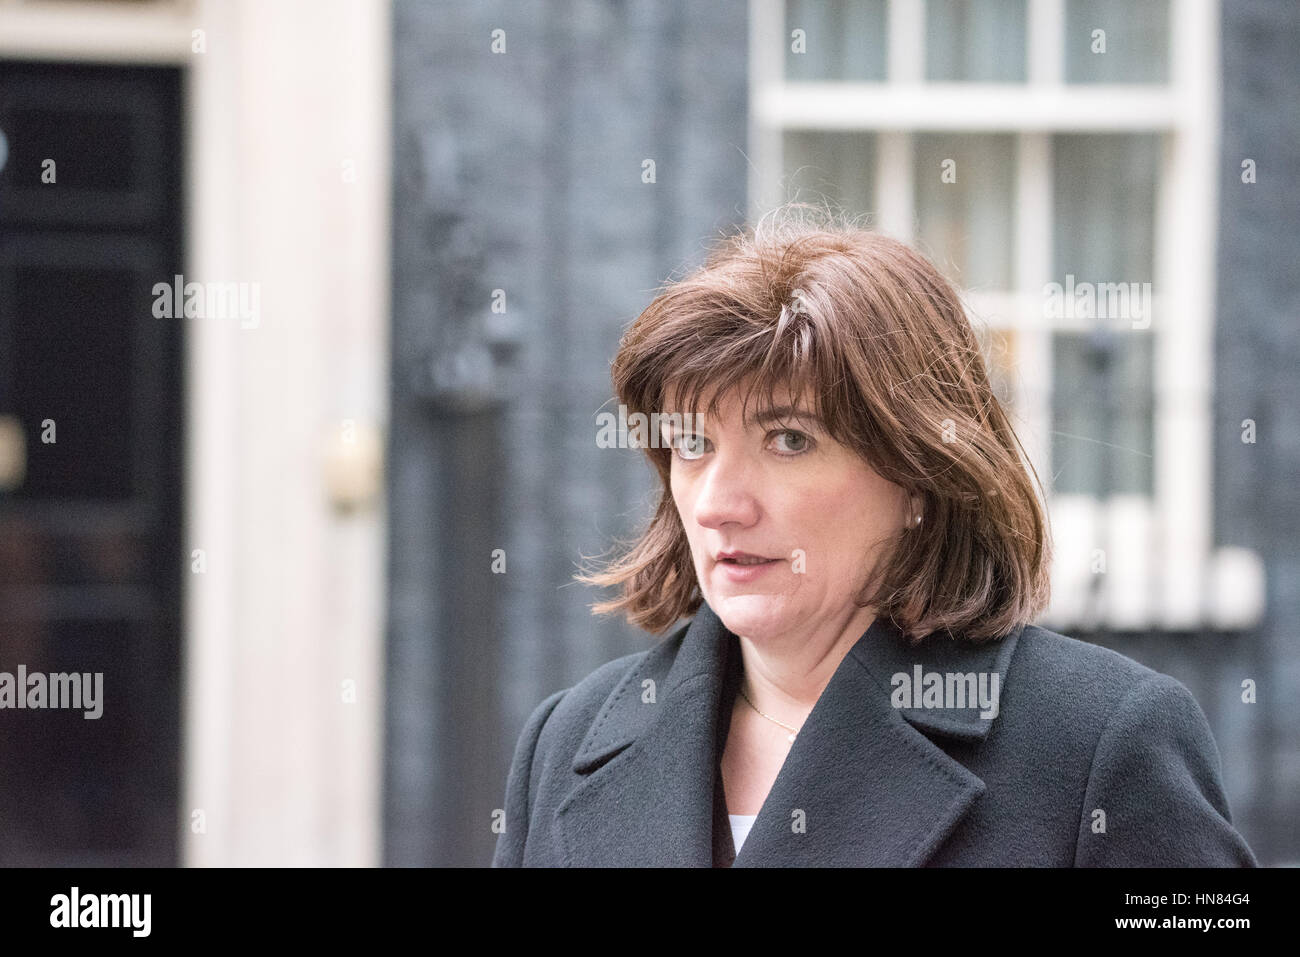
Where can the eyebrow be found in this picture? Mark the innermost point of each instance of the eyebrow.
(772, 414)
(781, 412)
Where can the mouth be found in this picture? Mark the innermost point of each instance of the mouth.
(742, 559)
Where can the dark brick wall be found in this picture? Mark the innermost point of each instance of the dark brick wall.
(1257, 356)
(522, 171)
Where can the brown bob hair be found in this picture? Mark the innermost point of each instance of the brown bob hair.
(880, 341)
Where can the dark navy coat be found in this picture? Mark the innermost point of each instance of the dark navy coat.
(1092, 760)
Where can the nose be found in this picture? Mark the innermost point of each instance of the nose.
(727, 492)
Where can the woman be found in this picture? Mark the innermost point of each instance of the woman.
(849, 522)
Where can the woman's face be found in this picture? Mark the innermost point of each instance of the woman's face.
(787, 492)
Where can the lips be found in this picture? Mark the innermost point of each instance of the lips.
(742, 558)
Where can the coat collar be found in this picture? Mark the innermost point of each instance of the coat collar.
(863, 784)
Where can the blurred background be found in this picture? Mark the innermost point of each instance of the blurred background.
(306, 315)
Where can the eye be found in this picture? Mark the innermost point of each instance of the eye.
(797, 442)
(690, 446)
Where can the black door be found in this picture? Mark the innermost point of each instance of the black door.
(91, 557)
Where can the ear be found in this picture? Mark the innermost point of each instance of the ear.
(916, 509)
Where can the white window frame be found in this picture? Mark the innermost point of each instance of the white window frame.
(1161, 569)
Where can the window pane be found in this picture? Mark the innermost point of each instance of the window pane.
(1000, 348)
(1103, 430)
(965, 197)
(843, 40)
(1136, 34)
(1105, 197)
(975, 40)
(839, 168)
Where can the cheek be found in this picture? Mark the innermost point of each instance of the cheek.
(680, 491)
(845, 518)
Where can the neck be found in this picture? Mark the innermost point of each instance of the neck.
(784, 678)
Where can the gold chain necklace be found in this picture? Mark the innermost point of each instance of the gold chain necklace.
(793, 731)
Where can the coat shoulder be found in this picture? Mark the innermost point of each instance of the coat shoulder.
(1154, 794)
(575, 716)
(1095, 675)
(1062, 694)
(581, 702)
(543, 758)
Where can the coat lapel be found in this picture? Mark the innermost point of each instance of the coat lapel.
(649, 760)
(863, 784)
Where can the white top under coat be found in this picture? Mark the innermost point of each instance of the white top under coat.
(740, 825)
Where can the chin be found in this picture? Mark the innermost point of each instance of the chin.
(755, 615)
